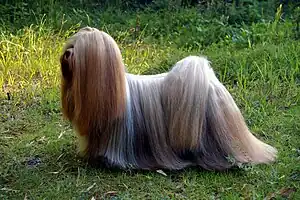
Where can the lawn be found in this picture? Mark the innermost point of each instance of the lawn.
(258, 62)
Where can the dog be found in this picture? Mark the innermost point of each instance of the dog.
(185, 117)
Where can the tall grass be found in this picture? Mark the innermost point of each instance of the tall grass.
(244, 56)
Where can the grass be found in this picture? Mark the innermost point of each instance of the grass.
(258, 63)
(39, 161)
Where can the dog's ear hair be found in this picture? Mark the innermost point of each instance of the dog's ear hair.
(67, 64)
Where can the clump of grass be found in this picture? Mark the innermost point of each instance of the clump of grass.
(29, 60)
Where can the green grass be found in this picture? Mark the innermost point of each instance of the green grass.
(37, 132)
(258, 63)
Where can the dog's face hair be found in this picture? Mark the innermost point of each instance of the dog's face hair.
(91, 56)
(173, 120)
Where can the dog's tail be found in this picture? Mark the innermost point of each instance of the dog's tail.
(204, 122)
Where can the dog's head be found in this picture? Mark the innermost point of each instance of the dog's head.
(93, 78)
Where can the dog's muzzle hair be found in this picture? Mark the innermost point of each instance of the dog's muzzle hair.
(185, 117)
